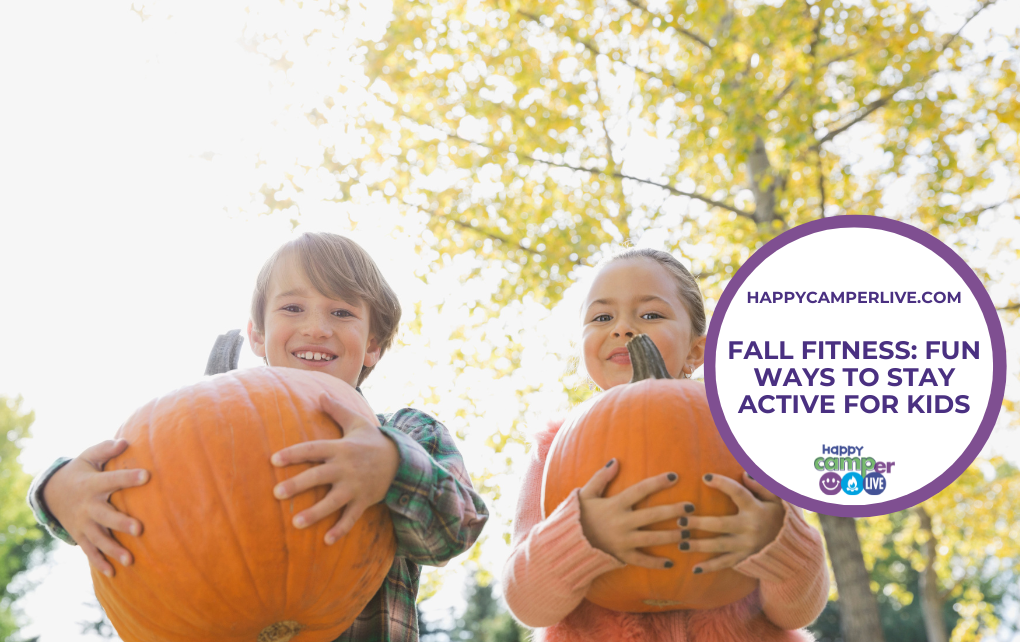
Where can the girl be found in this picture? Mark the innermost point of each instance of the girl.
(554, 560)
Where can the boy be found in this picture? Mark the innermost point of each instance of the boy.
(320, 303)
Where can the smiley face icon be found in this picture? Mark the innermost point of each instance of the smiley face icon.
(853, 483)
(831, 483)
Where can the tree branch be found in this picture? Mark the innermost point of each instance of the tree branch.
(984, 5)
(638, 4)
(481, 231)
(861, 115)
(619, 175)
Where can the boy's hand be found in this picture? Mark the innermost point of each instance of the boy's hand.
(360, 467)
(758, 520)
(613, 526)
(78, 496)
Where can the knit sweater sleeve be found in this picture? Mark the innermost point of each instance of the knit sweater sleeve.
(792, 574)
(551, 564)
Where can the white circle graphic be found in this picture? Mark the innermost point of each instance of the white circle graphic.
(853, 350)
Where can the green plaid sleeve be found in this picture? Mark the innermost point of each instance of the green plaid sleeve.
(436, 512)
(38, 504)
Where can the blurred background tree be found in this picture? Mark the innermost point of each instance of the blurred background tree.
(534, 137)
(22, 542)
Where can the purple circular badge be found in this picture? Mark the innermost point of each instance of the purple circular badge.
(855, 348)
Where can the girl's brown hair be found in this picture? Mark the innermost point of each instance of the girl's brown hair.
(340, 269)
(687, 285)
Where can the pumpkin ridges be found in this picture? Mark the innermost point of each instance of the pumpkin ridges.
(236, 481)
(625, 419)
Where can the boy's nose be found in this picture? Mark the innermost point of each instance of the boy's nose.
(317, 326)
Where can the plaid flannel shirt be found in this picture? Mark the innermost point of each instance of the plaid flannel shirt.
(435, 510)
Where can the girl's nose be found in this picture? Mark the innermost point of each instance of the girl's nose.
(623, 329)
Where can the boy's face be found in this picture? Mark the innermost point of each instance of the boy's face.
(306, 329)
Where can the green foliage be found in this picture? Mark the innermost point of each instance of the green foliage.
(486, 618)
(20, 537)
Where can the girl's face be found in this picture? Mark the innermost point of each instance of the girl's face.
(631, 297)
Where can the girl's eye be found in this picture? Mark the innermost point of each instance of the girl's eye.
(652, 315)
(343, 313)
(602, 317)
(292, 308)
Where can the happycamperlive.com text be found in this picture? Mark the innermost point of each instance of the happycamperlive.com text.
(853, 297)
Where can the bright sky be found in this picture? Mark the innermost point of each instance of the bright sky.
(127, 247)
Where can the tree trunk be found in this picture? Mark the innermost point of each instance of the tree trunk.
(763, 182)
(857, 605)
(931, 598)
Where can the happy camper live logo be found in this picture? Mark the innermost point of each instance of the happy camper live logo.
(848, 470)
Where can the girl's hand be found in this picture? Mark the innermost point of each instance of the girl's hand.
(757, 522)
(613, 526)
(78, 496)
(359, 468)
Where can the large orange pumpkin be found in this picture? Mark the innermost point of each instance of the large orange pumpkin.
(219, 559)
(652, 425)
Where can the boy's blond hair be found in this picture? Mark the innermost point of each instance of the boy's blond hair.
(341, 269)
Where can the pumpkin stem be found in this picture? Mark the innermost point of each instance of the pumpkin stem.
(646, 360)
(280, 632)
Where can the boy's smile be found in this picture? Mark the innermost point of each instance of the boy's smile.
(309, 330)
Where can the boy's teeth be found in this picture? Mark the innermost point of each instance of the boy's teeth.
(315, 356)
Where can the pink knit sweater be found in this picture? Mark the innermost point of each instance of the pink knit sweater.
(552, 565)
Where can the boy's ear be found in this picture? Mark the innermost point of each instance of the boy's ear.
(372, 353)
(256, 340)
(696, 355)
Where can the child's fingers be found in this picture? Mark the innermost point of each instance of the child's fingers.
(644, 539)
(110, 482)
(646, 516)
(322, 475)
(728, 560)
(763, 493)
(309, 451)
(109, 517)
(103, 452)
(108, 546)
(736, 491)
(635, 493)
(331, 503)
(351, 514)
(721, 544)
(347, 418)
(635, 558)
(96, 558)
(727, 524)
(598, 482)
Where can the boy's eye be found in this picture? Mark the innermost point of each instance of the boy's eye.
(291, 308)
(652, 315)
(602, 317)
(343, 313)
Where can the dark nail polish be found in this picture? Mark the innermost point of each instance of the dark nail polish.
(669, 564)
(683, 521)
(685, 534)
(689, 508)
(685, 546)
(610, 463)
(697, 570)
(671, 477)
(749, 476)
(708, 477)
